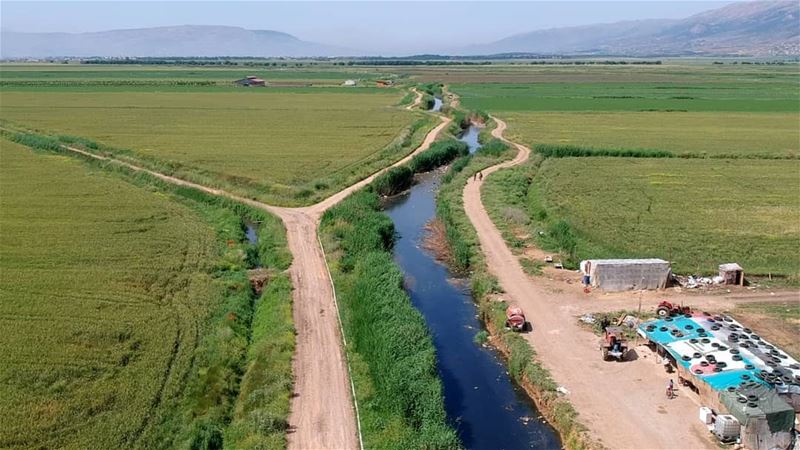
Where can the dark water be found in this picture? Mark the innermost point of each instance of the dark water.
(437, 104)
(486, 408)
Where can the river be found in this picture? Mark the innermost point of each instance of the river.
(483, 404)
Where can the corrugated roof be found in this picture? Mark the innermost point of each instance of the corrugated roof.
(598, 262)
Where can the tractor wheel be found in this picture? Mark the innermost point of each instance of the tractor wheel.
(605, 354)
(663, 312)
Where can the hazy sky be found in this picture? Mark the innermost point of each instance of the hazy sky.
(391, 27)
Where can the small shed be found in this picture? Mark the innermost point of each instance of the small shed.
(349, 83)
(766, 419)
(629, 274)
(251, 81)
(384, 83)
(731, 273)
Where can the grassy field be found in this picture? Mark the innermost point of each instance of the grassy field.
(127, 316)
(282, 147)
(104, 299)
(697, 110)
(695, 213)
(768, 135)
(280, 73)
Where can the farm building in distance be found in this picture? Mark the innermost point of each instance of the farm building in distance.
(629, 274)
(349, 83)
(384, 83)
(251, 81)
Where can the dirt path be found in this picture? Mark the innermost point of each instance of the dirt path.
(417, 99)
(623, 404)
(322, 412)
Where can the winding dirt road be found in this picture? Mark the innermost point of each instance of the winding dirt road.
(322, 410)
(417, 100)
(623, 404)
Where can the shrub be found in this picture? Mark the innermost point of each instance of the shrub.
(439, 154)
(393, 181)
(563, 151)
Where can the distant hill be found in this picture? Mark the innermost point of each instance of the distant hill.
(186, 40)
(742, 29)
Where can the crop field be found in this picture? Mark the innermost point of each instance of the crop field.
(533, 72)
(279, 73)
(695, 213)
(712, 134)
(107, 288)
(700, 111)
(280, 146)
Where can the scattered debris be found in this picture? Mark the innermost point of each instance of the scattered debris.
(588, 318)
(562, 390)
(548, 259)
(558, 265)
(630, 321)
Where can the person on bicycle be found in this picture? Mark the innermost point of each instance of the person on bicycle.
(670, 388)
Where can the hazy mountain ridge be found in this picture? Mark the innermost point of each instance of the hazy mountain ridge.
(756, 28)
(745, 29)
(185, 40)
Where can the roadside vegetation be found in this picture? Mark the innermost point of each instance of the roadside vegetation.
(177, 339)
(391, 351)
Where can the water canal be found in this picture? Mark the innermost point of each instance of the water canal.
(487, 409)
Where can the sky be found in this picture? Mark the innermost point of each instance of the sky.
(383, 27)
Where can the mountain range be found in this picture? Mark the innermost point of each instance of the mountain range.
(184, 40)
(755, 28)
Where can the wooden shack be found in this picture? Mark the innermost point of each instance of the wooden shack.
(731, 273)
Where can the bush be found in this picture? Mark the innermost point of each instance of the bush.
(439, 154)
(494, 147)
(393, 181)
(563, 151)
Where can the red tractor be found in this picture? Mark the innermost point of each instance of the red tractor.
(666, 309)
(515, 318)
(613, 344)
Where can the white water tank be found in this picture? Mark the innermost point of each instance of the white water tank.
(727, 427)
(706, 415)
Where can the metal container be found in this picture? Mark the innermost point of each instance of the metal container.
(727, 428)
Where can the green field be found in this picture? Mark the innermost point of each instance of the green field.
(281, 72)
(695, 213)
(697, 110)
(283, 147)
(127, 314)
(736, 134)
(106, 293)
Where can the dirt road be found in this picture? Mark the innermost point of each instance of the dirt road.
(623, 404)
(322, 410)
(417, 99)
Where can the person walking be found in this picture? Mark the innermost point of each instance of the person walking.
(480, 175)
(670, 390)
